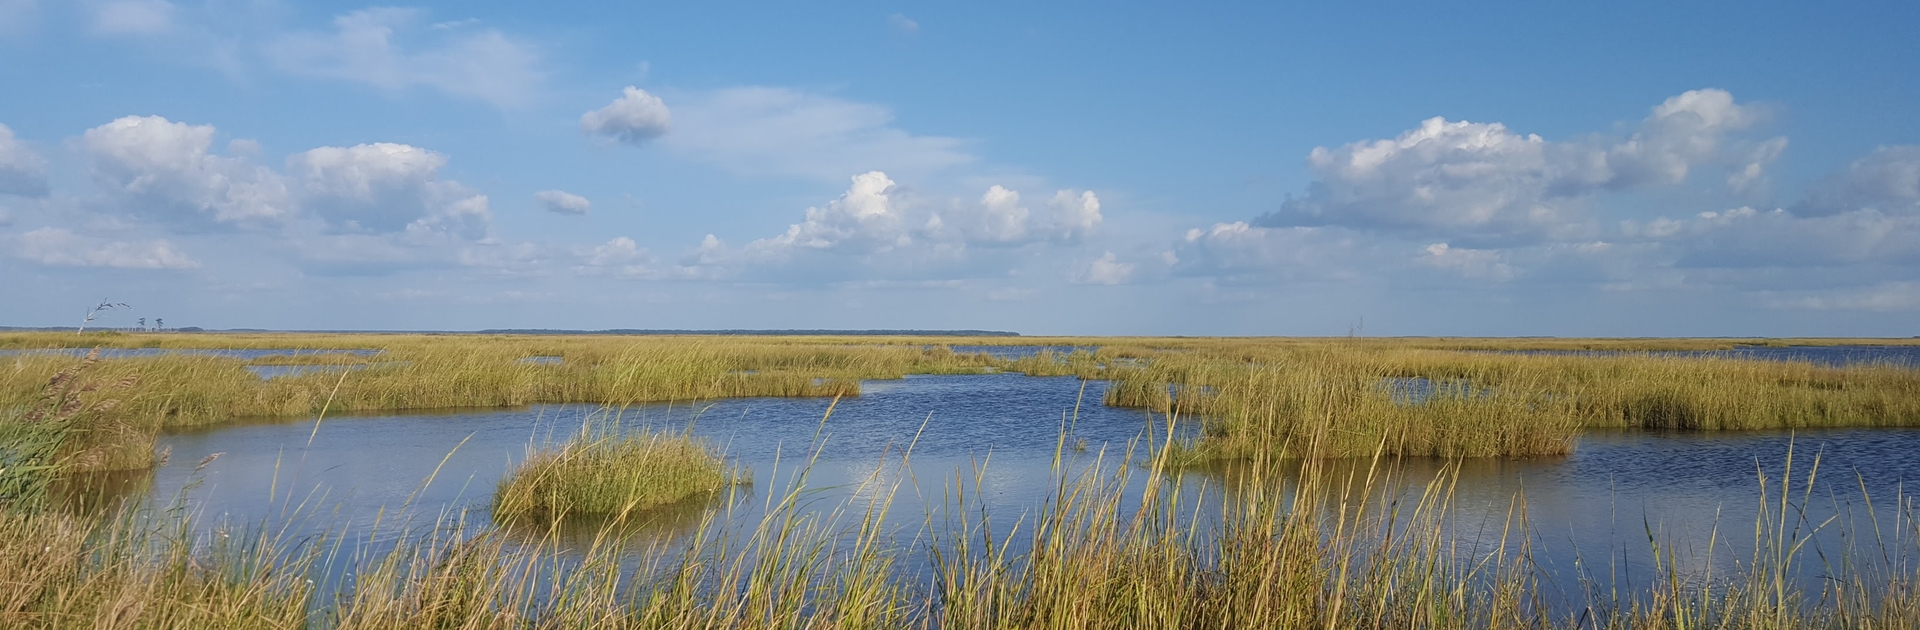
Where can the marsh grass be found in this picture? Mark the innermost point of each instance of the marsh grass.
(1346, 398)
(1253, 395)
(134, 569)
(609, 473)
(1282, 544)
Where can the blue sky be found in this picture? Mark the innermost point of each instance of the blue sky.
(1521, 169)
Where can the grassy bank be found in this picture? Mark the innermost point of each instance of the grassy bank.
(411, 372)
(1343, 400)
(1297, 397)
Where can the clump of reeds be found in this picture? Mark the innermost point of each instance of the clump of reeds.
(604, 472)
(69, 425)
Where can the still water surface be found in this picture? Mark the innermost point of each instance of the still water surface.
(1590, 510)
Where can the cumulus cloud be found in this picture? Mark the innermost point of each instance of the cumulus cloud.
(562, 202)
(879, 228)
(634, 118)
(22, 171)
(62, 248)
(999, 218)
(1483, 181)
(619, 251)
(872, 217)
(1075, 215)
(1472, 263)
(1887, 180)
(1685, 131)
(367, 47)
(133, 17)
(774, 131)
(387, 187)
(863, 220)
(164, 168)
(621, 257)
(1107, 269)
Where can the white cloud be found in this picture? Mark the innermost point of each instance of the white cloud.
(365, 47)
(1106, 269)
(863, 220)
(1685, 131)
(1483, 181)
(619, 251)
(623, 258)
(156, 165)
(773, 131)
(562, 202)
(1075, 216)
(1751, 177)
(877, 228)
(873, 217)
(62, 248)
(903, 24)
(22, 171)
(1472, 263)
(1887, 180)
(133, 17)
(1000, 219)
(387, 187)
(633, 118)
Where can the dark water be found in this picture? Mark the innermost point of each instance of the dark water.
(1594, 510)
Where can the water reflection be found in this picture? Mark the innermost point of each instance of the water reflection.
(641, 529)
(93, 493)
(992, 441)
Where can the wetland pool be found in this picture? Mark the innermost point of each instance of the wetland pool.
(1595, 511)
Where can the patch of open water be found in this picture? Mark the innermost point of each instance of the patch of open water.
(1590, 510)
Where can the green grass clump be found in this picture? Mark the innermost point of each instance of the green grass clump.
(603, 473)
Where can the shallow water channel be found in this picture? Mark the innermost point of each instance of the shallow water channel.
(1593, 511)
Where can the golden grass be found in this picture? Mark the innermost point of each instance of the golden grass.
(1339, 400)
(1328, 397)
(603, 472)
(63, 571)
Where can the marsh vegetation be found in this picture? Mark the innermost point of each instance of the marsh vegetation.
(1285, 507)
(605, 472)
